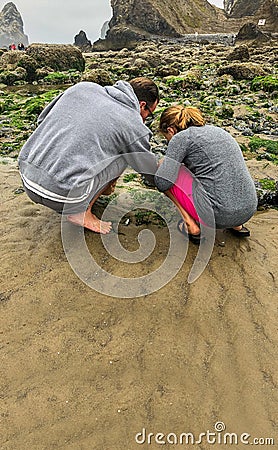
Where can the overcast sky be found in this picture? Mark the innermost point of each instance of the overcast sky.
(58, 21)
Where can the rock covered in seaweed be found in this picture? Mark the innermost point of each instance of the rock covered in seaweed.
(57, 56)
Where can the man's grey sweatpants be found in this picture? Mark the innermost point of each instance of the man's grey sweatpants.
(101, 181)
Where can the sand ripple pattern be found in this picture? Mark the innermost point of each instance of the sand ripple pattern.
(84, 264)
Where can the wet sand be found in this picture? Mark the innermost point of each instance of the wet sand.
(81, 370)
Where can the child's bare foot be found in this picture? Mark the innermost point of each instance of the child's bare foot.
(192, 227)
(195, 238)
(91, 222)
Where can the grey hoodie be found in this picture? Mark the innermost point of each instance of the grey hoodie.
(81, 132)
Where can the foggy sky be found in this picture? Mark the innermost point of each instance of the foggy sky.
(58, 21)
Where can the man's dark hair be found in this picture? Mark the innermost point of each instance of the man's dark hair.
(145, 90)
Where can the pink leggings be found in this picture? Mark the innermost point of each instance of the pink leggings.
(182, 191)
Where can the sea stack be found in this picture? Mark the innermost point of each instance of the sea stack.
(11, 27)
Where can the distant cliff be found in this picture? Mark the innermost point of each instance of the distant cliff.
(11, 26)
(257, 9)
(141, 19)
(241, 8)
(135, 19)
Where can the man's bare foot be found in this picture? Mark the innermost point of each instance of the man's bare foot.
(91, 222)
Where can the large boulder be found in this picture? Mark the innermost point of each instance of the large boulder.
(11, 76)
(58, 57)
(99, 76)
(239, 53)
(12, 60)
(250, 31)
(243, 71)
(29, 64)
(38, 60)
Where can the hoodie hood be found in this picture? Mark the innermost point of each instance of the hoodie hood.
(122, 92)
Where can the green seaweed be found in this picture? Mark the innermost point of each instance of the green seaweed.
(268, 83)
(258, 143)
(62, 77)
(128, 177)
(268, 184)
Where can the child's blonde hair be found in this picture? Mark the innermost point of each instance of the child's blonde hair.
(181, 118)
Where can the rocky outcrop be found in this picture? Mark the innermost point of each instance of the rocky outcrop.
(135, 20)
(242, 8)
(243, 71)
(250, 31)
(104, 29)
(81, 41)
(239, 53)
(258, 9)
(11, 27)
(228, 5)
(38, 61)
(57, 57)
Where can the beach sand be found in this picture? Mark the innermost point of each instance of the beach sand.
(81, 370)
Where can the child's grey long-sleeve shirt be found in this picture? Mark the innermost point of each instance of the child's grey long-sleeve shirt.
(215, 159)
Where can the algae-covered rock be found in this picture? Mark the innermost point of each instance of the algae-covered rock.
(240, 53)
(152, 58)
(268, 83)
(62, 77)
(267, 193)
(58, 57)
(9, 77)
(42, 72)
(10, 58)
(167, 71)
(11, 61)
(224, 111)
(191, 79)
(98, 76)
(29, 64)
(141, 63)
(243, 71)
(224, 80)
